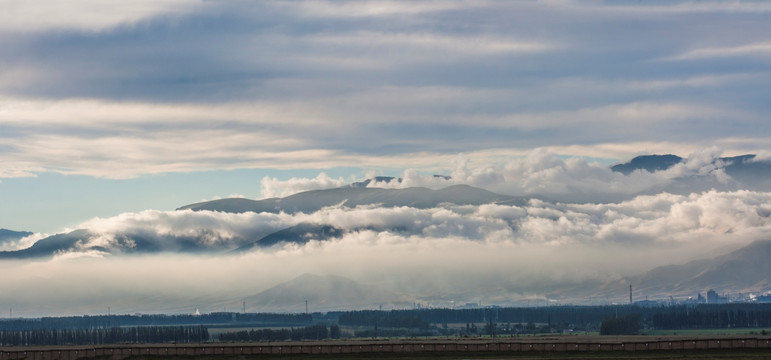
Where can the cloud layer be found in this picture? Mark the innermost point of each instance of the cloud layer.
(445, 253)
(517, 97)
(543, 173)
(176, 87)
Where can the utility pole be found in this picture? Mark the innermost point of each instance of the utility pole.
(630, 294)
(108, 311)
(306, 307)
(244, 307)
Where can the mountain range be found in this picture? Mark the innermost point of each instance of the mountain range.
(298, 234)
(326, 293)
(10, 235)
(746, 172)
(743, 270)
(306, 202)
(352, 196)
(745, 169)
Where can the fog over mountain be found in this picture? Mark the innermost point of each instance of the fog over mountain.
(545, 175)
(169, 155)
(455, 244)
(325, 293)
(358, 194)
(740, 271)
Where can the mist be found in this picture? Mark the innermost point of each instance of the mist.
(540, 172)
(496, 253)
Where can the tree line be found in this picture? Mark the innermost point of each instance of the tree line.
(417, 318)
(109, 321)
(116, 335)
(670, 317)
(375, 323)
(711, 316)
(313, 332)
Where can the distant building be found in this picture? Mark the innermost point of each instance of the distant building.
(714, 298)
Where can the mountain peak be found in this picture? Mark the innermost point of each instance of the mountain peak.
(324, 292)
(650, 163)
(352, 196)
(9, 235)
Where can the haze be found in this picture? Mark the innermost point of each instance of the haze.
(112, 117)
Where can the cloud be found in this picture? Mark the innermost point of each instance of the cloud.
(338, 9)
(762, 49)
(153, 230)
(450, 252)
(541, 172)
(20, 17)
(128, 139)
(273, 187)
(181, 87)
(23, 243)
(658, 9)
(707, 219)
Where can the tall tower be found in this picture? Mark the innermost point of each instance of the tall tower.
(630, 294)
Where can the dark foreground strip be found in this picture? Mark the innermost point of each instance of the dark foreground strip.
(627, 348)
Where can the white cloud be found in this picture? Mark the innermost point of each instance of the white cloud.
(428, 42)
(377, 8)
(762, 49)
(273, 187)
(705, 219)
(657, 9)
(127, 139)
(447, 251)
(179, 230)
(541, 172)
(24, 16)
(22, 243)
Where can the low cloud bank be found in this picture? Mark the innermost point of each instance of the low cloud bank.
(577, 179)
(464, 253)
(20, 243)
(273, 187)
(664, 219)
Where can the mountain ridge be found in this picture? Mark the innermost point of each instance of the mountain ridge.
(742, 270)
(325, 293)
(10, 235)
(314, 200)
(309, 201)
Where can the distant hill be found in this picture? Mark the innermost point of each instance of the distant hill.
(298, 234)
(745, 171)
(387, 179)
(744, 270)
(10, 235)
(47, 247)
(648, 163)
(742, 167)
(324, 293)
(311, 201)
(376, 179)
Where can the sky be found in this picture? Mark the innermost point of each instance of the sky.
(157, 104)
(110, 113)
